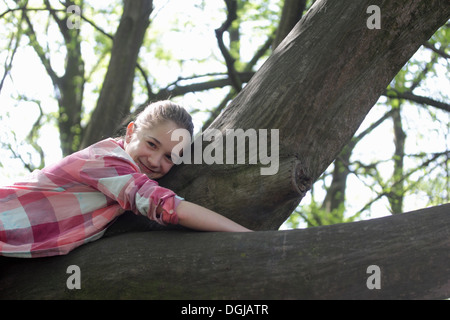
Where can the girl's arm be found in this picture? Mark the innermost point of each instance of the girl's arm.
(197, 217)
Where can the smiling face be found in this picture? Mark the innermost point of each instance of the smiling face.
(151, 148)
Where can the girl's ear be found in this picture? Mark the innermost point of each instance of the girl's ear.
(130, 131)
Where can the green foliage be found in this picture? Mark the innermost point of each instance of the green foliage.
(314, 215)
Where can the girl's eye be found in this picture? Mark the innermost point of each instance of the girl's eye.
(169, 157)
(151, 144)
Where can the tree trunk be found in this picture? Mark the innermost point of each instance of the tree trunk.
(115, 96)
(411, 251)
(316, 88)
(397, 193)
(69, 87)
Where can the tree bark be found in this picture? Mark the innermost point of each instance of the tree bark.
(115, 96)
(316, 88)
(329, 262)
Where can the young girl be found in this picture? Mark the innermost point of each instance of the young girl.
(72, 202)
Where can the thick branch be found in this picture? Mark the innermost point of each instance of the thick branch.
(328, 262)
(316, 88)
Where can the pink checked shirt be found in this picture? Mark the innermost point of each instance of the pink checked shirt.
(72, 202)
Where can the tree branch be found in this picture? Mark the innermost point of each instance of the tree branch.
(10, 57)
(330, 262)
(385, 186)
(391, 93)
(195, 87)
(40, 52)
(25, 8)
(229, 60)
(440, 52)
(248, 67)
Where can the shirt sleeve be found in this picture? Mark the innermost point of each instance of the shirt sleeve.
(137, 193)
(106, 167)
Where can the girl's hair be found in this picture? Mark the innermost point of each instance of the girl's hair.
(165, 110)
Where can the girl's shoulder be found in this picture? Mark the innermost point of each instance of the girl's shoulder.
(109, 148)
(107, 144)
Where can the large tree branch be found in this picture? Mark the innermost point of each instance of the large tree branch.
(331, 262)
(316, 88)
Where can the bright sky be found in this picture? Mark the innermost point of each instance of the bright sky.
(197, 41)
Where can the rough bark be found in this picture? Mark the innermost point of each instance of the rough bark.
(115, 96)
(330, 262)
(316, 88)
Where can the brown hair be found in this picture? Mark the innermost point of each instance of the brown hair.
(165, 110)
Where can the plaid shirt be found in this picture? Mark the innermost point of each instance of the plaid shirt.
(73, 202)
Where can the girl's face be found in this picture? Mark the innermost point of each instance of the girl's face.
(151, 149)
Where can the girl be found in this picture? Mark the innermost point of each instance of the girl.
(72, 202)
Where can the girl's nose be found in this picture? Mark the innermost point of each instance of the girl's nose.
(154, 160)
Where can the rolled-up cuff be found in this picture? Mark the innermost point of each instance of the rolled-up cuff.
(169, 214)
